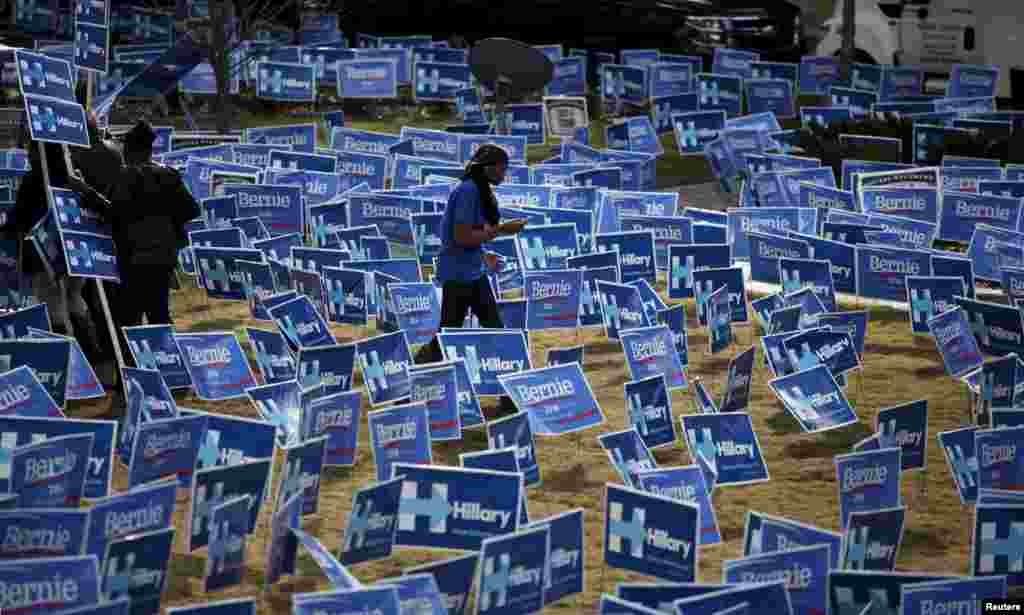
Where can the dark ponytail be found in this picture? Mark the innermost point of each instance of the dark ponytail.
(488, 154)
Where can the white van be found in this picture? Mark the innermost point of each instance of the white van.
(934, 34)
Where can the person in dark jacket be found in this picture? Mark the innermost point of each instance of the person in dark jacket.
(149, 206)
(100, 166)
(63, 294)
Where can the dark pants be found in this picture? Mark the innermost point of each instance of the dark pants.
(457, 298)
(144, 292)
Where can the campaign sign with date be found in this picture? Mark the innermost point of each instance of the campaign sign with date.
(552, 299)
(728, 442)
(558, 399)
(456, 508)
(651, 534)
(867, 481)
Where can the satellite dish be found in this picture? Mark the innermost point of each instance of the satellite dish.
(509, 68)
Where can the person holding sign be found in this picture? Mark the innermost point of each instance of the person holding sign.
(69, 313)
(149, 206)
(470, 220)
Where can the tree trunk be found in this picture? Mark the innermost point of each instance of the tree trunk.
(221, 19)
(849, 34)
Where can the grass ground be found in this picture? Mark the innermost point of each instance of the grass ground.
(897, 368)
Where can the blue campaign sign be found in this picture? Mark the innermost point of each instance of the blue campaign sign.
(309, 284)
(805, 568)
(622, 308)
(316, 259)
(767, 250)
(957, 344)
(68, 525)
(772, 96)
(383, 601)
(736, 396)
(218, 270)
(660, 596)
(488, 354)
(695, 130)
(995, 542)
(860, 102)
(337, 416)
(89, 256)
(370, 532)
(515, 431)
(719, 316)
(1013, 285)
(92, 46)
(854, 324)
(219, 484)
(557, 399)
(972, 81)
(998, 463)
(290, 160)
(280, 405)
(628, 454)
(834, 349)
(346, 295)
(901, 82)
(148, 398)
(667, 230)
(856, 591)
(49, 360)
(216, 364)
(765, 220)
(564, 555)
(432, 144)
(814, 398)
(788, 71)
(867, 481)
(651, 534)
(456, 508)
(962, 211)
(625, 83)
(675, 319)
(299, 137)
(218, 212)
(21, 394)
(728, 442)
(166, 447)
(257, 155)
(825, 116)
(1013, 189)
(720, 93)
(153, 347)
(998, 328)
(686, 484)
(384, 360)
(513, 570)
(966, 179)
(399, 434)
(417, 309)
(301, 323)
(44, 76)
(368, 78)
(143, 509)
(930, 296)
(362, 141)
(286, 82)
(872, 539)
(79, 583)
(231, 440)
(734, 62)
(651, 351)
(390, 213)
(991, 249)
(284, 546)
(707, 281)
(818, 73)
(437, 388)
(273, 357)
(882, 271)
(514, 146)
(904, 232)
(766, 534)
(664, 109)
(683, 260)
(51, 473)
(915, 203)
(303, 466)
(772, 596)
(636, 253)
(959, 593)
(439, 81)
(226, 563)
(553, 298)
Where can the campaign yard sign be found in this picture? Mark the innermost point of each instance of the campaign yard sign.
(487, 354)
(515, 431)
(51, 473)
(21, 394)
(956, 342)
(557, 399)
(867, 481)
(906, 426)
(685, 484)
(872, 539)
(456, 508)
(301, 323)
(651, 534)
(49, 360)
(728, 442)
(651, 351)
(215, 485)
(513, 572)
(628, 454)
(805, 570)
(552, 298)
(399, 434)
(719, 316)
(930, 296)
(167, 447)
(649, 404)
(437, 387)
(216, 364)
(997, 328)
(622, 308)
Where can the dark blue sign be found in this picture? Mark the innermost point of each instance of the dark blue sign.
(216, 364)
(651, 534)
(867, 481)
(728, 442)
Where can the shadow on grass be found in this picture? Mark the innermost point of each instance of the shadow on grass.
(829, 443)
(782, 423)
(214, 324)
(919, 541)
(447, 453)
(572, 478)
(909, 351)
(602, 348)
(184, 565)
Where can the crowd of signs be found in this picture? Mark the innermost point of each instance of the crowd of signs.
(305, 236)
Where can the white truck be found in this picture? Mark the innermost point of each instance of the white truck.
(934, 34)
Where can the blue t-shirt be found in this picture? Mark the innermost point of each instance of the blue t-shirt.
(457, 263)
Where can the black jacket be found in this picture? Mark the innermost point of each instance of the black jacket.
(100, 165)
(149, 206)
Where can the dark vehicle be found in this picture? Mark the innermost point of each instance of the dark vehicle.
(772, 28)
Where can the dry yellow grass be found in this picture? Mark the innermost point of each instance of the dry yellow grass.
(897, 369)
